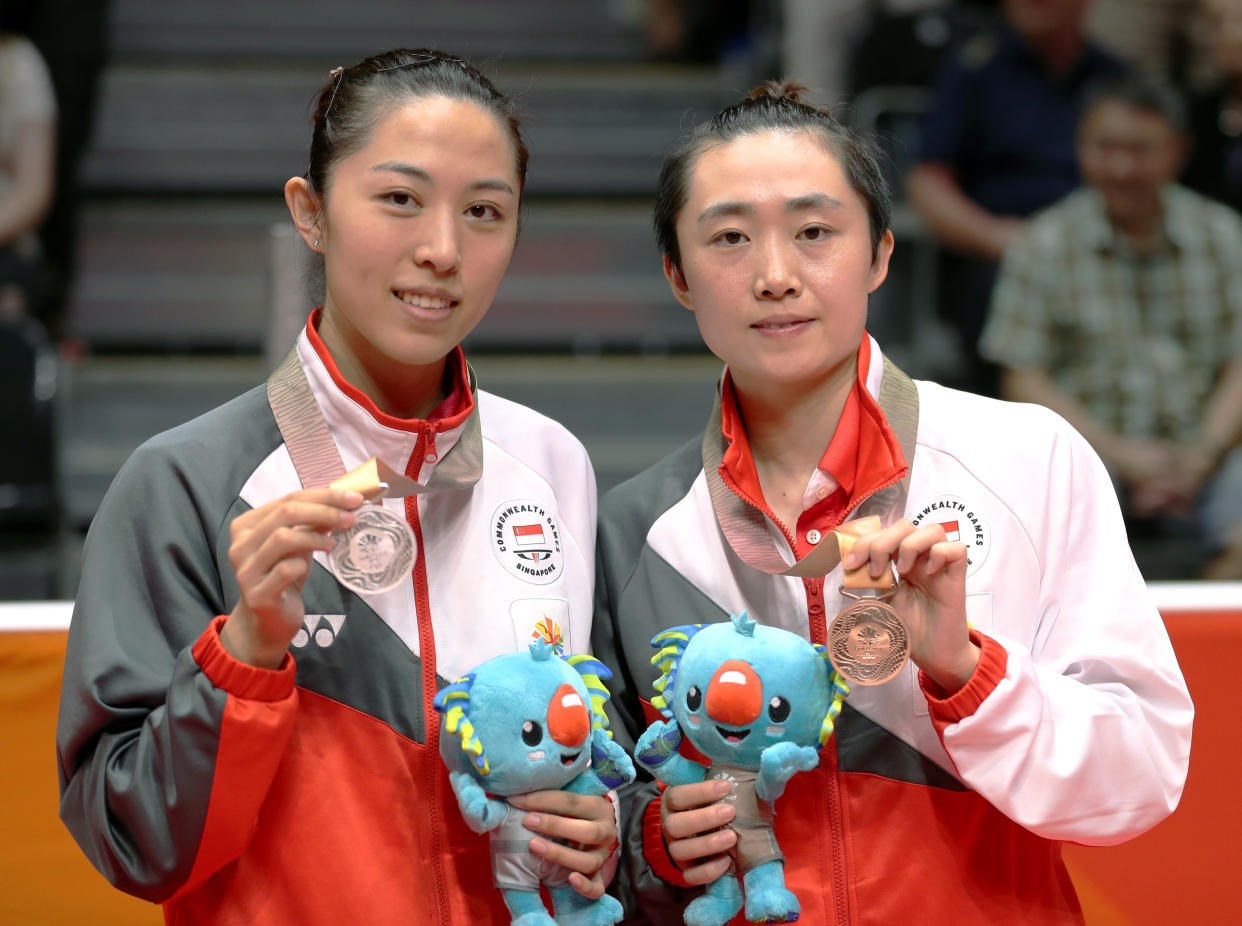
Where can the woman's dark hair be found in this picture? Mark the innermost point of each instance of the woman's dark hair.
(774, 106)
(356, 98)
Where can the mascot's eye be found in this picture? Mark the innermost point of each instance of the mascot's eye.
(694, 698)
(532, 733)
(778, 709)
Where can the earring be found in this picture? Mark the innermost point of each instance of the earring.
(315, 243)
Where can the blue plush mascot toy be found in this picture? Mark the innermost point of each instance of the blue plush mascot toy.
(531, 721)
(758, 702)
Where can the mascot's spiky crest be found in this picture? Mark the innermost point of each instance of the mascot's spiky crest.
(839, 689)
(456, 699)
(671, 646)
(594, 673)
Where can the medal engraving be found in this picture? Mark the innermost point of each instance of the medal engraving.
(375, 554)
(868, 643)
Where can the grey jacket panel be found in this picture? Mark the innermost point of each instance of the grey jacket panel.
(139, 723)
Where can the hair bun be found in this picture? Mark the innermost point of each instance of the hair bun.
(789, 90)
(786, 91)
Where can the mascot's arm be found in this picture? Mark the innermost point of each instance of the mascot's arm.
(610, 764)
(780, 762)
(657, 752)
(482, 814)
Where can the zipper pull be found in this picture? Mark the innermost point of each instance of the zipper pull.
(429, 443)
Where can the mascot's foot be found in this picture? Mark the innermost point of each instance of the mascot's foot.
(772, 905)
(534, 918)
(606, 911)
(716, 907)
(527, 909)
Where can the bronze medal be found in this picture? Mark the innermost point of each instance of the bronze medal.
(868, 643)
(375, 554)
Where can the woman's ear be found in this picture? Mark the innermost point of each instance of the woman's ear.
(677, 282)
(879, 266)
(305, 209)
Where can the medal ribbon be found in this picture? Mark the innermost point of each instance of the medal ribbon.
(860, 578)
(318, 461)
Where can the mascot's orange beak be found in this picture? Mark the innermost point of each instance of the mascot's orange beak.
(568, 719)
(735, 694)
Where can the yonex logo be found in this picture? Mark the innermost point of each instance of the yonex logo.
(322, 629)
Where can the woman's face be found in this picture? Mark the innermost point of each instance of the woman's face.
(776, 259)
(417, 231)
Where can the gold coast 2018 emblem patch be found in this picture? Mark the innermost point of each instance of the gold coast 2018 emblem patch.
(527, 541)
(961, 521)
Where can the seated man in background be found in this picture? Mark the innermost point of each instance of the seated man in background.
(1121, 309)
(998, 145)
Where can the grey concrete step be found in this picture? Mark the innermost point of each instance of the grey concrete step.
(543, 29)
(243, 125)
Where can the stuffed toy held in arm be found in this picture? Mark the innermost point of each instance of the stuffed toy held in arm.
(758, 702)
(530, 721)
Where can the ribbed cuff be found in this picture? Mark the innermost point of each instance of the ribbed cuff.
(655, 849)
(238, 678)
(951, 708)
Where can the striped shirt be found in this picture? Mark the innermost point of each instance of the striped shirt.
(1139, 340)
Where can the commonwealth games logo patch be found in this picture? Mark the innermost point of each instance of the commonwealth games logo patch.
(961, 521)
(527, 541)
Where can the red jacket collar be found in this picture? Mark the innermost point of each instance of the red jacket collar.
(863, 453)
(449, 414)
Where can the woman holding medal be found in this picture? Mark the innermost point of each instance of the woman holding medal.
(272, 594)
(1012, 683)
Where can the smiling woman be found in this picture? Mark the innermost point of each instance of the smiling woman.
(253, 656)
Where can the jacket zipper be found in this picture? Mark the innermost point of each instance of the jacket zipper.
(427, 656)
(836, 831)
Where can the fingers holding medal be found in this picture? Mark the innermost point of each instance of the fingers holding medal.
(920, 614)
(270, 549)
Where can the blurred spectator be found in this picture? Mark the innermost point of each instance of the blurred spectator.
(72, 37)
(904, 42)
(698, 31)
(1153, 36)
(997, 145)
(1215, 164)
(27, 169)
(838, 49)
(817, 36)
(1121, 309)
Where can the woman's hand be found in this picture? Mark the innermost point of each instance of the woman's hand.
(586, 822)
(695, 823)
(931, 596)
(271, 550)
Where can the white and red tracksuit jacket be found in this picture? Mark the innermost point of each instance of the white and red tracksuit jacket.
(926, 808)
(313, 793)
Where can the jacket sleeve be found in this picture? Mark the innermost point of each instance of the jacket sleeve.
(647, 883)
(166, 745)
(1079, 731)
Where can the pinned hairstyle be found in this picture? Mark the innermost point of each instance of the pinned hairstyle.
(356, 98)
(773, 106)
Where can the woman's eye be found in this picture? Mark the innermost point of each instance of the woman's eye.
(400, 199)
(815, 233)
(730, 237)
(483, 211)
